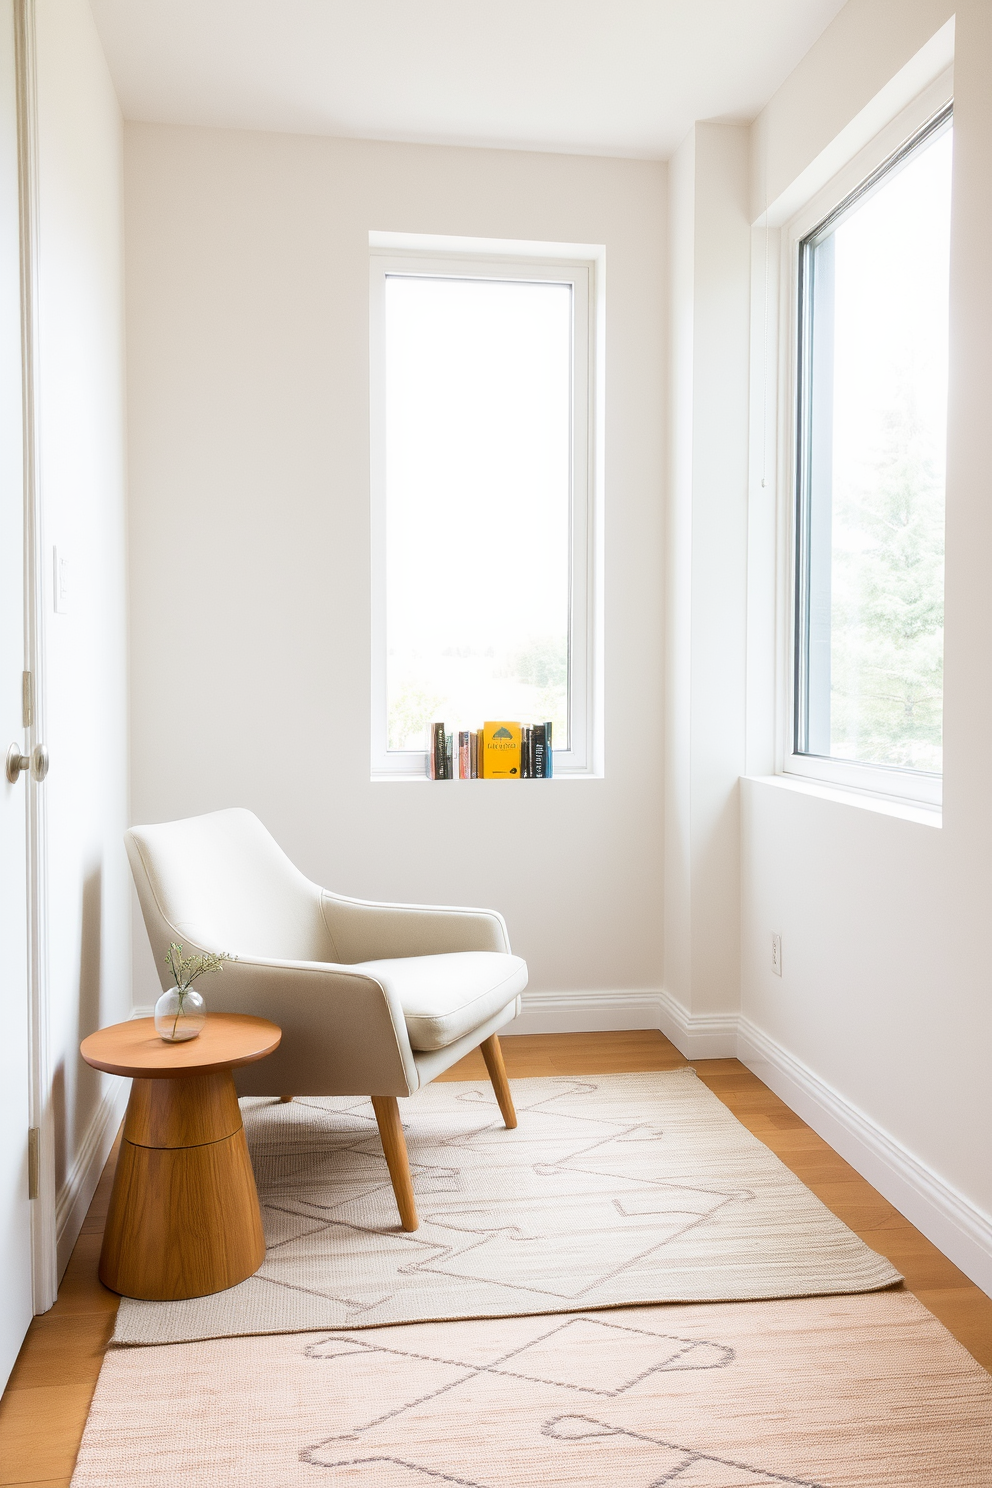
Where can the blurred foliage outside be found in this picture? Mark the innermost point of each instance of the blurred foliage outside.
(463, 688)
(887, 605)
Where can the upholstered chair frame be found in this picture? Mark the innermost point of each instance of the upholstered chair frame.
(220, 883)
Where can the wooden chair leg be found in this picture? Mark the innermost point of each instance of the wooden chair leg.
(387, 1114)
(493, 1055)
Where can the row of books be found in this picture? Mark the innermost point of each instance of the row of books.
(497, 751)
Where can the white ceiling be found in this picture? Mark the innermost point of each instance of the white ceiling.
(611, 77)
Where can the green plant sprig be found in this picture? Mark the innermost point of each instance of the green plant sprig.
(186, 969)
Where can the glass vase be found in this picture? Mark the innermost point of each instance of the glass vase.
(179, 1015)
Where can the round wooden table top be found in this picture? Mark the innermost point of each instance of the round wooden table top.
(225, 1041)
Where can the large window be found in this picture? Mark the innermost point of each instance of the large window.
(481, 432)
(872, 403)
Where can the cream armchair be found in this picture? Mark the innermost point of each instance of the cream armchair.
(372, 999)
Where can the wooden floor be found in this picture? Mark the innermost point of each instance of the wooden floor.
(44, 1407)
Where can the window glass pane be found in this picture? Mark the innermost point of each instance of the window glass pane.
(478, 476)
(876, 362)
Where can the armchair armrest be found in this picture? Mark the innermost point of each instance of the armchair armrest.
(343, 1033)
(364, 931)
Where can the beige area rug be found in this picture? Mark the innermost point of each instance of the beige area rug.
(613, 1190)
(842, 1392)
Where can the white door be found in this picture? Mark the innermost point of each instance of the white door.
(15, 1207)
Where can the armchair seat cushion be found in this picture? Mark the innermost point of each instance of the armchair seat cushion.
(445, 997)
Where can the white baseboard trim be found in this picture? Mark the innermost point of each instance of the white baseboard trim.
(77, 1191)
(701, 1037)
(587, 1012)
(959, 1229)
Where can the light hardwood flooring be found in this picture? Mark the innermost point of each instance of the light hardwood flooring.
(44, 1407)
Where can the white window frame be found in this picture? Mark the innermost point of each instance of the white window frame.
(583, 275)
(892, 781)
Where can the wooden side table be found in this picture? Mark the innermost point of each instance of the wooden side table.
(184, 1217)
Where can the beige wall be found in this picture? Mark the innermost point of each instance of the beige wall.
(886, 997)
(705, 583)
(844, 83)
(81, 431)
(247, 272)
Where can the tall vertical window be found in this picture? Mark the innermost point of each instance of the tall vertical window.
(481, 427)
(872, 406)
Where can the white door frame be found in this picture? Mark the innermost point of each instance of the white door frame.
(43, 1240)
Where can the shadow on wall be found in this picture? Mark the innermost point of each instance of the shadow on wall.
(86, 1094)
(58, 1123)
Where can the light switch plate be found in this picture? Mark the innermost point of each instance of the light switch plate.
(60, 578)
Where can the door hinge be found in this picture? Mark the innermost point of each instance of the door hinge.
(27, 699)
(34, 1162)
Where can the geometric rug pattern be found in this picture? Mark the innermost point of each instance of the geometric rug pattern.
(862, 1391)
(612, 1191)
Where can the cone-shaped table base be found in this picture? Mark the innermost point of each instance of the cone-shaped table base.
(184, 1217)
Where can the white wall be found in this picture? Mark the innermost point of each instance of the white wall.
(81, 430)
(880, 1029)
(845, 79)
(706, 594)
(247, 271)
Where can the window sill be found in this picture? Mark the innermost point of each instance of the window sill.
(914, 811)
(421, 779)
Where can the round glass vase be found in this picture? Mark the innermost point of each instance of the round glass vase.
(179, 1015)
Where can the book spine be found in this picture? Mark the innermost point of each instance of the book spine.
(464, 755)
(438, 751)
(429, 759)
(549, 758)
(538, 751)
(449, 764)
(473, 772)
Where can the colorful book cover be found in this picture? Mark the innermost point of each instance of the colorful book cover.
(501, 750)
(538, 746)
(464, 755)
(438, 751)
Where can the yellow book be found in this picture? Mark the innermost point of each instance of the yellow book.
(501, 751)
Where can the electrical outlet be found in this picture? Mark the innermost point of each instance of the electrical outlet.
(776, 953)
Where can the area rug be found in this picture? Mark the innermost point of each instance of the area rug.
(845, 1392)
(613, 1190)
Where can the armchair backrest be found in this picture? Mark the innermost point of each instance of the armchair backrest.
(222, 883)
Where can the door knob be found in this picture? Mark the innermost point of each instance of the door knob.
(36, 762)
